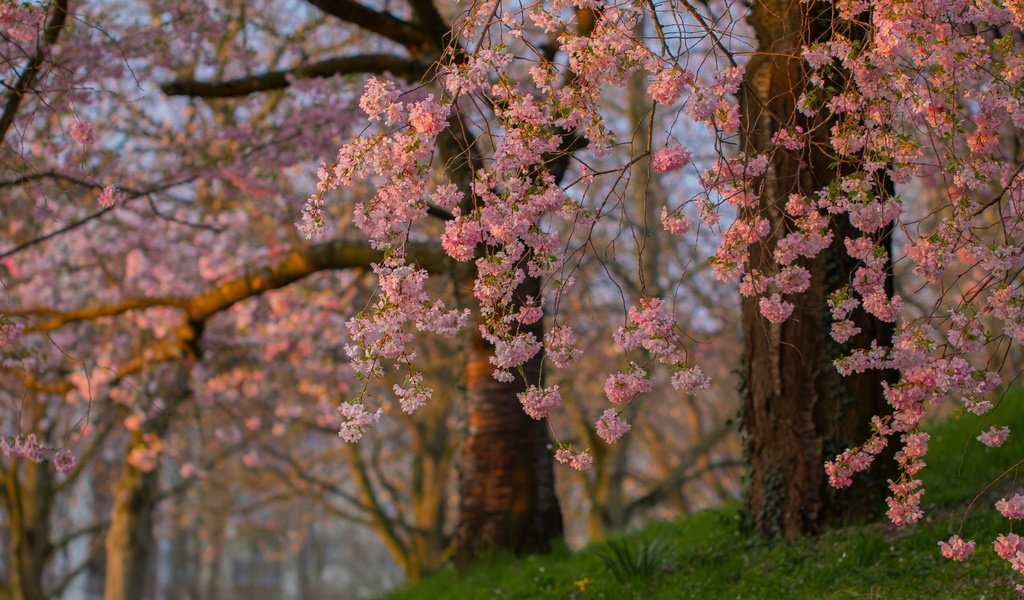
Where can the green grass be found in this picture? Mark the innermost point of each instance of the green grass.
(705, 556)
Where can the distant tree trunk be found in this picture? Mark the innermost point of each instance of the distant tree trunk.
(430, 483)
(28, 496)
(29, 500)
(507, 484)
(184, 558)
(797, 410)
(130, 541)
(213, 538)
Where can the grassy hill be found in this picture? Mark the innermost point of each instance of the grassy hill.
(705, 556)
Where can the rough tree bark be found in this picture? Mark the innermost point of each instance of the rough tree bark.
(797, 410)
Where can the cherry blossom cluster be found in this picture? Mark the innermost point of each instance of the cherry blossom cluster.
(21, 21)
(27, 447)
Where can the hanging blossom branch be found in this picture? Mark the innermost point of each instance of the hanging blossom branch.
(499, 218)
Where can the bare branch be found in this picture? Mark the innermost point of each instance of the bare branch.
(281, 79)
(382, 23)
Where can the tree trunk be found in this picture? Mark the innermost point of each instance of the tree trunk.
(184, 558)
(130, 542)
(430, 483)
(29, 499)
(797, 410)
(507, 484)
(28, 496)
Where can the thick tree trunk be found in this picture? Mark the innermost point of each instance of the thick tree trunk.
(797, 410)
(507, 485)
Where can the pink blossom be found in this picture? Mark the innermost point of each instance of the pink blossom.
(956, 548)
(447, 196)
(623, 387)
(915, 444)
(1012, 508)
(110, 197)
(843, 330)
(529, 314)
(428, 117)
(581, 461)
(1009, 545)
(650, 326)
(515, 350)
(669, 85)
(775, 309)
(690, 379)
(22, 446)
(21, 21)
(841, 470)
(64, 462)
(673, 223)
(356, 420)
(380, 100)
(82, 132)
(538, 402)
(886, 309)
(1007, 304)
(413, 394)
(610, 427)
(790, 139)
(560, 346)
(461, 237)
(671, 158)
(798, 206)
(793, 280)
(907, 512)
(994, 437)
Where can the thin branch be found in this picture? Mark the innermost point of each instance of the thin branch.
(130, 195)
